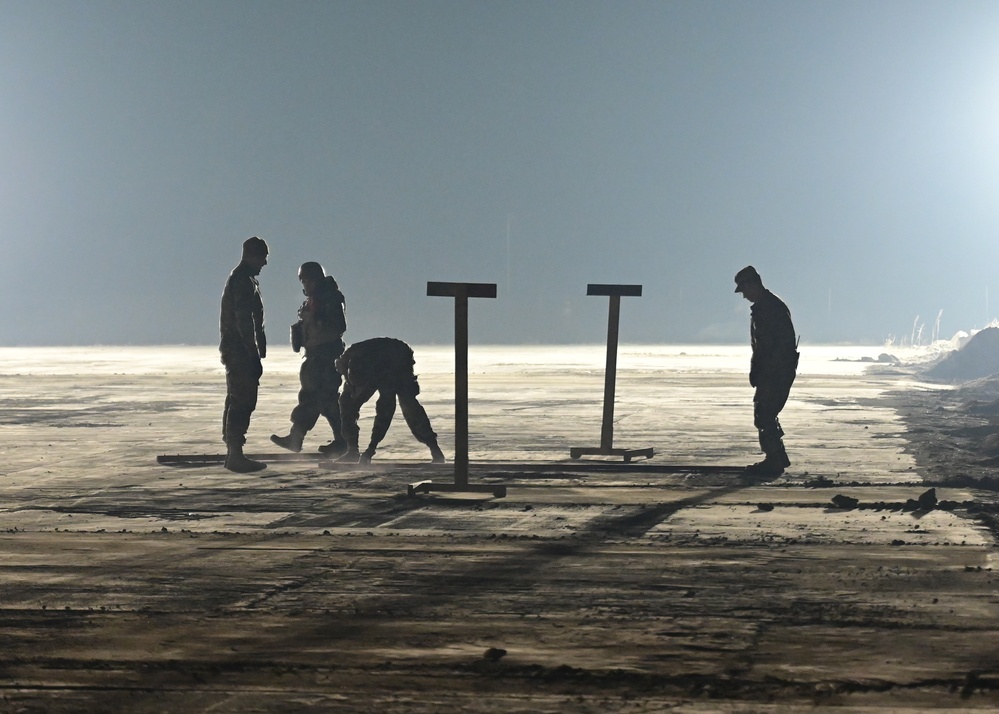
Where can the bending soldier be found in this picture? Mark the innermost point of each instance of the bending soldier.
(385, 365)
(319, 330)
(773, 366)
(242, 347)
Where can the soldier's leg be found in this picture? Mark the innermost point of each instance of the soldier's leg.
(324, 381)
(384, 411)
(769, 400)
(329, 400)
(782, 391)
(225, 412)
(241, 399)
(418, 421)
(310, 394)
(242, 385)
(351, 400)
(304, 415)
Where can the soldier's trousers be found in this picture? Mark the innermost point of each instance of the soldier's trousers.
(242, 382)
(320, 389)
(353, 398)
(770, 398)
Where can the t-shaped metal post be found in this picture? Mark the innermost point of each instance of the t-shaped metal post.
(460, 292)
(606, 447)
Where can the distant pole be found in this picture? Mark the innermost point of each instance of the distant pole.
(508, 249)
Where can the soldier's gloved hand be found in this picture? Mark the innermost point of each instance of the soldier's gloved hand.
(258, 369)
(752, 379)
(366, 456)
(262, 346)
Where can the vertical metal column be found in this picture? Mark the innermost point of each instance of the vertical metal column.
(460, 292)
(610, 373)
(606, 447)
(460, 384)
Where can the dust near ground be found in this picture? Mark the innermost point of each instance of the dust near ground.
(668, 584)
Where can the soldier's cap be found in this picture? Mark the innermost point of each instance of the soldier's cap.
(745, 276)
(255, 246)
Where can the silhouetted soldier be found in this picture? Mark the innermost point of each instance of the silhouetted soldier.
(243, 346)
(772, 370)
(319, 330)
(385, 365)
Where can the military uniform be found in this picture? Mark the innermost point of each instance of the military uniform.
(385, 365)
(242, 347)
(772, 371)
(322, 324)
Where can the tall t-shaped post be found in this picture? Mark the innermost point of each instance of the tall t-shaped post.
(460, 292)
(606, 447)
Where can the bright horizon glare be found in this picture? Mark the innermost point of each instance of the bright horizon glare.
(848, 150)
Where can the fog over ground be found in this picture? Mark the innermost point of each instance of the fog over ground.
(849, 150)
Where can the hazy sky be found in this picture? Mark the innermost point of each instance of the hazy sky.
(849, 150)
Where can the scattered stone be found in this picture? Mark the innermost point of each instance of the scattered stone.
(494, 654)
(765, 506)
(928, 501)
(844, 502)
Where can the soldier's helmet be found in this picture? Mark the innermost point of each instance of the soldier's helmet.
(312, 271)
(747, 276)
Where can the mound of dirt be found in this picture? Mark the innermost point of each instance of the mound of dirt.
(977, 359)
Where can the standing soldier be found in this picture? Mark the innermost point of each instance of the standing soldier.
(320, 327)
(385, 365)
(772, 370)
(243, 346)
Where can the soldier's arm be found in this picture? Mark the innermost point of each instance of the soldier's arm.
(244, 305)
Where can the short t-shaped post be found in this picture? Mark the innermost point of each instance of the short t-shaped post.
(460, 292)
(606, 447)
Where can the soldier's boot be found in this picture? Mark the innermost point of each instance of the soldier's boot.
(292, 442)
(767, 467)
(776, 458)
(236, 461)
(436, 455)
(776, 450)
(351, 456)
(781, 455)
(334, 448)
(367, 455)
(338, 445)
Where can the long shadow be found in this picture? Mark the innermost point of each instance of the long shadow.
(450, 589)
(458, 585)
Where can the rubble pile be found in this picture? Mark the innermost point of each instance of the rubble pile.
(977, 359)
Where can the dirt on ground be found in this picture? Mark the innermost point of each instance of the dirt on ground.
(863, 578)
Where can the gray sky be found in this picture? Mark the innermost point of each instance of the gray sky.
(849, 150)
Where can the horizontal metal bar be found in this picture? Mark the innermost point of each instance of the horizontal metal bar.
(475, 290)
(603, 289)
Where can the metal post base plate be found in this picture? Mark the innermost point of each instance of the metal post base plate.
(628, 454)
(428, 486)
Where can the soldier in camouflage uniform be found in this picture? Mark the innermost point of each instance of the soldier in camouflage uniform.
(773, 367)
(319, 330)
(242, 347)
(385, 365)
